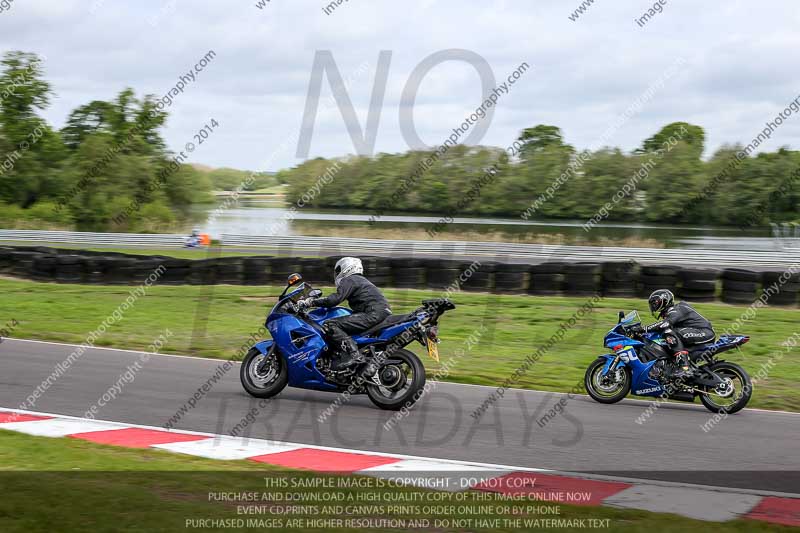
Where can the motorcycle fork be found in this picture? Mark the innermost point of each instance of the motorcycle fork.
(267, 360)
(612, 367)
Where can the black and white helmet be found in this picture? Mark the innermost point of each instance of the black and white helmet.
(659, 301)
(347, 266)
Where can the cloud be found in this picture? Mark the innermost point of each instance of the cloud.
(586, 72)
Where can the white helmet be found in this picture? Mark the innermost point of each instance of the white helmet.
(347, 266)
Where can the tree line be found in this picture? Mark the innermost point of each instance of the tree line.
(104, 160)
(550, 179)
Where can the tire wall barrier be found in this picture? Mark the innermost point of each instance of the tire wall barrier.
(616, 279)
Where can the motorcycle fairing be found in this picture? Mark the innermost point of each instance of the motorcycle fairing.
(641, 382)
(300, 344)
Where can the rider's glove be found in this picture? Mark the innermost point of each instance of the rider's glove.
(305, 303)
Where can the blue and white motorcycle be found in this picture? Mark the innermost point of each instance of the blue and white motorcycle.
(298, 355)
(640, 365)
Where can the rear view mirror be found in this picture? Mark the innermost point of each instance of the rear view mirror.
(294, 279)
(621, 316)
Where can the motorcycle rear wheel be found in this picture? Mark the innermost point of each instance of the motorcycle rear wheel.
(742, 386)
(263, 383)
(601, 393)
(411, 373)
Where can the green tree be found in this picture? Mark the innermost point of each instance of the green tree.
(692, 135)
(671, 180)
(30, 151)
(538, 138)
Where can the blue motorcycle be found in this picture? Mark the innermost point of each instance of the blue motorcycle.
(640, 365)
(299, 356)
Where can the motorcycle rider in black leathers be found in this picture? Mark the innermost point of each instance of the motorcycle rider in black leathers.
(682, 327)
(369, 307)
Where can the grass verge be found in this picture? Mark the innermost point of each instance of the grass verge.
(69, 485)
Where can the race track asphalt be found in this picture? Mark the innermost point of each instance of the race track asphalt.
(753, 449)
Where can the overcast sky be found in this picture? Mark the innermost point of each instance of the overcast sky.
(740, 67)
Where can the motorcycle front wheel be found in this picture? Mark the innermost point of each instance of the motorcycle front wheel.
(609, 389)
(263, 375)
(402, 378)
(732, 397)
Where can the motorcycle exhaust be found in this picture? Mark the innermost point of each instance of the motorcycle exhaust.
(682, 396)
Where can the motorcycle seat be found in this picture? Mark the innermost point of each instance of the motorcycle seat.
(700, 347)
(713, 347)
(390, 320)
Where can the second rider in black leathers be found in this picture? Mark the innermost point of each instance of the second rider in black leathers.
(682, 327)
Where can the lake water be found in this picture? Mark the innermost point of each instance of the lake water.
(259, 217)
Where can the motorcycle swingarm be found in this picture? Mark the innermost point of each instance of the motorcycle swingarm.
(392, 362)
(709, 380)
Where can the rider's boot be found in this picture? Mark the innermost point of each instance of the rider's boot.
(348, 356)
(683, 366)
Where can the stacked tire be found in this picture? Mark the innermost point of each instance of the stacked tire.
(407, 273)
(477, 278)
(657, 277)
(22, 264)
(739, 286)
(144, 269)
(256, 270)
(70, 268)
(203, 272)
(377, 269)
(698, 285)
(582, 279)
(44, 267)
(118, 270)
(510, 277)
(176, 271)
(230, 270)
(780, 288)
(5, 259)
(315, 271)
(546, 279)
(281, 267)
(441, 273)
(619, 279)
(96, 269)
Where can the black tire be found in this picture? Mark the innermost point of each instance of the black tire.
(587, 269)
(509, 281)
(739, 286)
(660, 271)
(740, 274)
(410, 277)
(736, 297)
(658, 281)
(275, 384)
(478, 281)
(698, 274)
(547, 268)
(546, 283)
(730, 369)
(700, 285)
(403, 262)
(441, 278)
(598, 396)
(771, 276)
(783, 298)
(411, 395)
